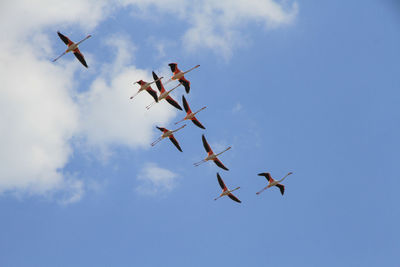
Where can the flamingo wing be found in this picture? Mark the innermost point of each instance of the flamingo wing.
(206, 145)
(65, 39)
(267, 175)
(161, 129)
(231, 196)
(173, 67)
(186, 105)
(152, 93)
(173, 140)
(185, 83)
(197, 123)
(281, 187)
(158, 83)
(173, 102)
(80, 57)
(221, 182)
(219, 164)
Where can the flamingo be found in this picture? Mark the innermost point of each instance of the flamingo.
(169, 134)
(226, 191)
(211, 155)
(190, 115)
(164, 94)
(179, 75)
(73, 47)
(272, 182)
(146, 86)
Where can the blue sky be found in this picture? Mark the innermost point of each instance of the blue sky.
(307, 87)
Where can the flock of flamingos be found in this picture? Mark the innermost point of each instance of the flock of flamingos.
(164, 94)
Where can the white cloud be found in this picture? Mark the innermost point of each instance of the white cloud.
(218, 25)
(156, 180)
(39, 116)
(237, 108)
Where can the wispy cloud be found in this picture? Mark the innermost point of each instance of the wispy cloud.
(156, 180)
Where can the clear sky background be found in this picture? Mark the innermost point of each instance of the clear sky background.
(300, 86)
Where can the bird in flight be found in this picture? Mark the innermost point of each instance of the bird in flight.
(164, 94)
(73, 47)
(272, 182)
(211, 155)
(146, 86)
(190, 115)
(226, 191)
(167, 133)
(179, 75)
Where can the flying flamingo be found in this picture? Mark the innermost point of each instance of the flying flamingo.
(211, 155)
(190, 115)
(164, 94)
(146, 86)
(73, 47)
(226, 191)
(273, 182)
(169, 134)
(179, 75)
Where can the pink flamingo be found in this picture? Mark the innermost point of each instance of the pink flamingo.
(146, 86)
(169, 134)
(226, 191)
(164, 94)
(179, 75)
(211, 155)
(272, 182)
(190, 115)
(73, 47)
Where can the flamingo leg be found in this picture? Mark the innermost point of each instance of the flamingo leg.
(234, 189)
(223, 151)
(191, 69)
(199, 110)
(87, 37)
(59, 56)
(179, 121)
(179, 128)
(198, 163)
(149, 106)
(174, 88)
(158, 140)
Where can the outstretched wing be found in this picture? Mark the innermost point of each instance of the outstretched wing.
(197, 123)
(231, 196)
(186, 105)
(206, 145)
(152, 93)
(173, 66)
(173, 140)
(173, 102)
(65, 39)
(158, 83)
(219, 164)
(185, 83)
(266, 174)
(161, 129)
(221, 182)
(281, 187)
(80, 57)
